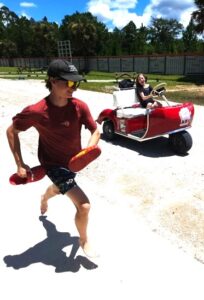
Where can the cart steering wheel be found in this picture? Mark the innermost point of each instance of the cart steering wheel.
(159, 90)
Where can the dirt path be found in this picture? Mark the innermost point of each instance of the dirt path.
(199, 89)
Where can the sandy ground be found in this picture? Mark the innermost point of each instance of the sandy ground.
(147, 217)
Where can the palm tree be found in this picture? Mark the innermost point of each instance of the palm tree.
(163, 34)
(86, 34)
(198, 16)
(190, 40)
(83, 36)
(45, 36)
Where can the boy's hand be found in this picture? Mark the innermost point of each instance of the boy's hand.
(22, 171)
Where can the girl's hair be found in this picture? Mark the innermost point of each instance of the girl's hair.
(137, 78)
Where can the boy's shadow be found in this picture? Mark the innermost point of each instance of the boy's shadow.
(49, 252)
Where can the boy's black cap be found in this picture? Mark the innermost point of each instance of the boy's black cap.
(63, 69)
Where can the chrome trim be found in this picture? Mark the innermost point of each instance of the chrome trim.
(150, 138)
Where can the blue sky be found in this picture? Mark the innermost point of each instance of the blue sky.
(113, 13)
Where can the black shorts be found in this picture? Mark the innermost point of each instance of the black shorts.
(145, 102)
(63, 178)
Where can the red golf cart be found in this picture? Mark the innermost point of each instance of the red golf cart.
(129, 119)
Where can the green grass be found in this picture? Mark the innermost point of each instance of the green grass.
(171, 79)
(174, 84)
(8, 70)
(99, 75)
(186, 96)
(182, 96)
(175, 93)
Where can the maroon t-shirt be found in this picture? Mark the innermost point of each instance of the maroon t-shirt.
(59, 129)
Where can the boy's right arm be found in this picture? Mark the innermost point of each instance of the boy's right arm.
(14, 143)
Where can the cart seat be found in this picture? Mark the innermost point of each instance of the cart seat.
(129, 113)
(124, 98)
(125, 102)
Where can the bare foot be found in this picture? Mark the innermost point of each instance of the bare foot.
(88, 249)
(44, 205)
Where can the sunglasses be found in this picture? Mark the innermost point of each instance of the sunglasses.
(71, 83)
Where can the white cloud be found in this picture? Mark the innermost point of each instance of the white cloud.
(28, 4)
(171, 9)
(115, 12)
(2, 4)
(101, 10)
(185, 16)
(24, 14)
(123, 4)
(119, 13)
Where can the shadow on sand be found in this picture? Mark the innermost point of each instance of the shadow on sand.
(158, 147)
(49, 252)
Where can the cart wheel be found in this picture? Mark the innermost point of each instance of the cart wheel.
(180, 142)
(108, 130)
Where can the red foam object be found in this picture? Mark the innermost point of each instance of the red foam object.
(35, 174)
(83, 158)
